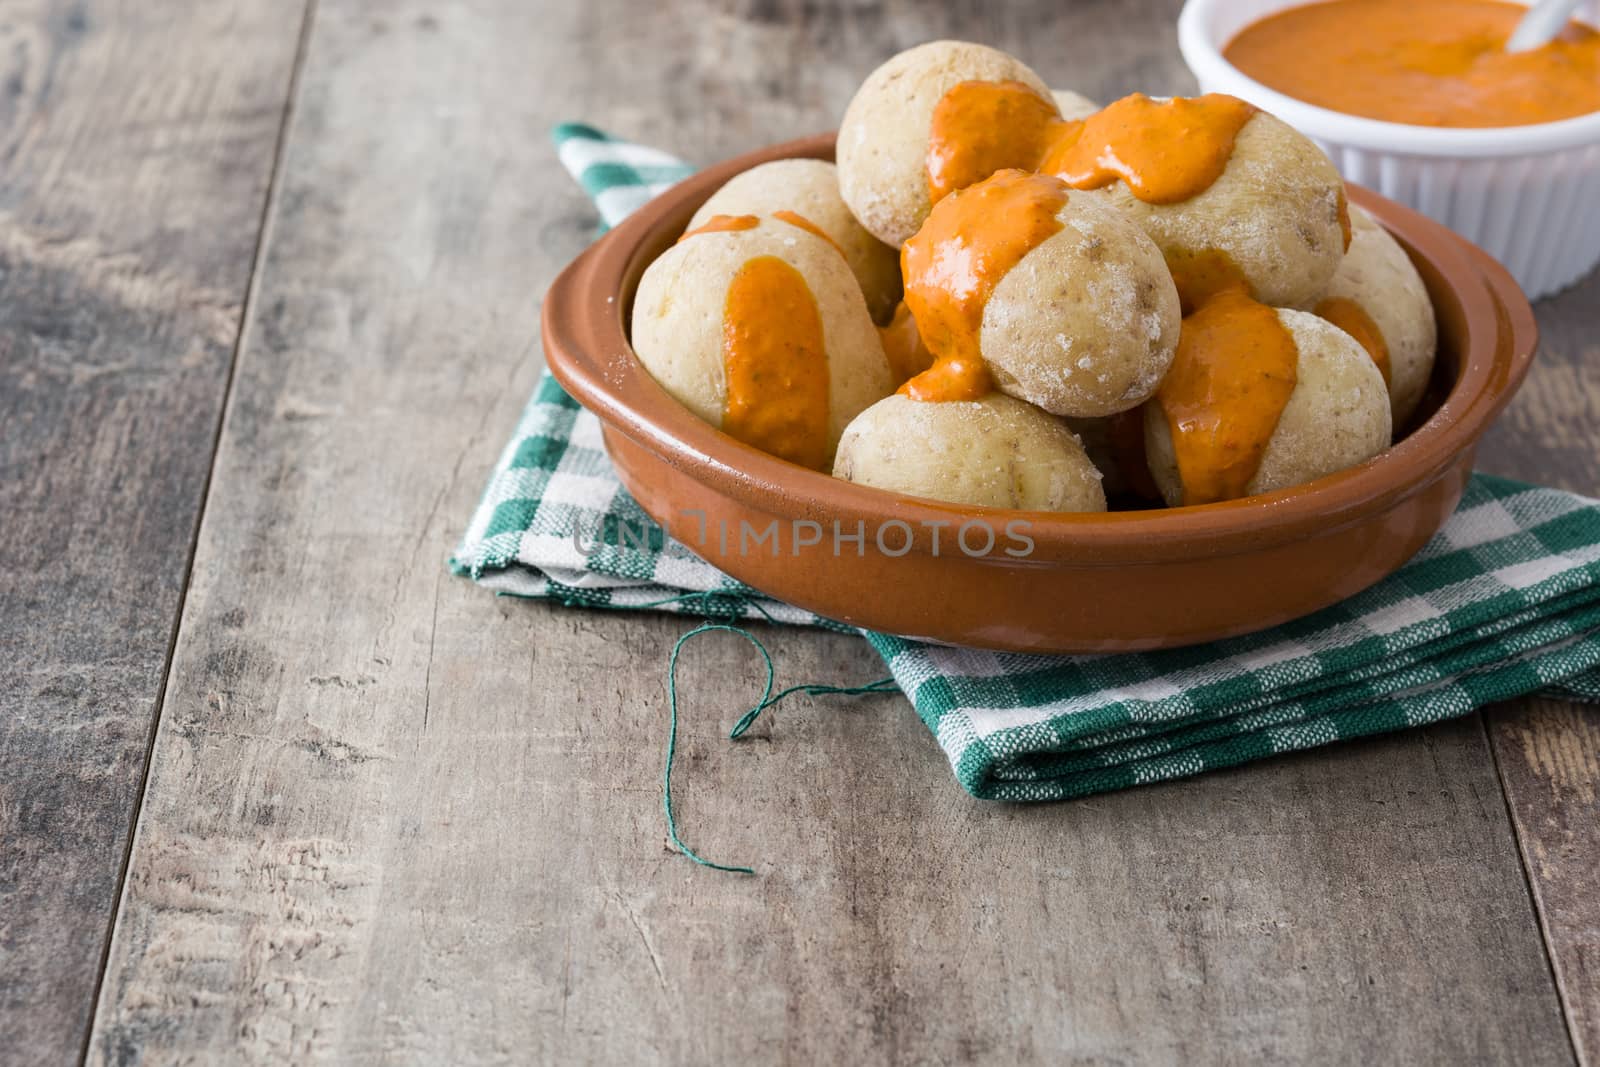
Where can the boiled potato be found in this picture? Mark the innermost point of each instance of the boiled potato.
(993, 452)
(883, 138)
(1073, 105)
(679, 327)
(1274, 214)
(810, 188)
(1336, 417)
(1378, 277)
(1084, 324)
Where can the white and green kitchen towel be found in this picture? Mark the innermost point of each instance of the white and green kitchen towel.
(1504, 601)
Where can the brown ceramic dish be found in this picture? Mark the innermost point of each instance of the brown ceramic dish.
(1090, 583)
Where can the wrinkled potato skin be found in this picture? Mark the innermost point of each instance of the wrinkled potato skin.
(883, 138)
(1379, 276)
(677, 319)
(1086, 323)
(810, 188)
(994, 452)
(1337, 416)
(1274, 210)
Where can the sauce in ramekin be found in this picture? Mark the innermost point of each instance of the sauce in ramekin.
(1421, 62)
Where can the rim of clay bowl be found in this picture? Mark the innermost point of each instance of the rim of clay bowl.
(586, 344)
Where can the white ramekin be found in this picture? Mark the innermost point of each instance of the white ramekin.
(1528, 195)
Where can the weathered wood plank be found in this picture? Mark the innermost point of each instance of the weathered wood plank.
(1549, 756)
(391, 818)
(1547, 749)
(136, 145)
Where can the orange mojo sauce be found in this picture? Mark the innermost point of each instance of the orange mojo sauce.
(980, 127)
(1229, 382)
(902, 344)
(774, 357)
(1421, 62)
(722, 224)
(968, 243)
(1353, 319)
(1201, 275)
(807, 225)
(776, 363)
(1166, 151)
(1235, 367)
(732, 223)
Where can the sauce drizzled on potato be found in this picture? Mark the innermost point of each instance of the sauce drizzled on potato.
(722, 224)
(1235, 368)
(902, 344)
(777, 376)
(734, 223)
(979, 127)
(1233, 373)
(952, 265)
(1202, 274)
(1165, 151)
(807, 225)
(1353, 319)
(1425, 62)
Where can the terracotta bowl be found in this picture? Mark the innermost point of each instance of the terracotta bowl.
(1032, 581)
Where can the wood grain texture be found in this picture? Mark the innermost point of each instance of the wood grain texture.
(136, 144)
(393, 819)
(1547, 750)
(1549, 756)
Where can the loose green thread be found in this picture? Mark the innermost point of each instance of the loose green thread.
(882, 685)
(747, 720)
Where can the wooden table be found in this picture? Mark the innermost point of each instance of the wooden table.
(273, 786)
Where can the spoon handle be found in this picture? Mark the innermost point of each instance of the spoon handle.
(1541, 24)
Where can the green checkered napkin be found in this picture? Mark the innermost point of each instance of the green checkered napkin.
(1505, 601)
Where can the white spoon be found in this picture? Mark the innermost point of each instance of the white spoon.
(1540, 25)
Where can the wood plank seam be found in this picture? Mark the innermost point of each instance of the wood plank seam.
(1569, 1015)
(252, 287)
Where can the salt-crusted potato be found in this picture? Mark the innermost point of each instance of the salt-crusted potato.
(993, 452)
(883, 139)
(1086, 323)
(810, 188)
(1378, 277)
(1274, 212)
(679, 308)
(1073, 105)
(1336, 417)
